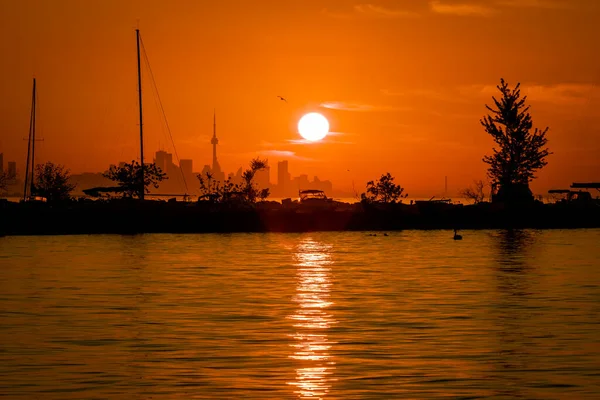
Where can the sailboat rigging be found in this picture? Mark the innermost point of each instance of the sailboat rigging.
(140, 48)
(29, 187)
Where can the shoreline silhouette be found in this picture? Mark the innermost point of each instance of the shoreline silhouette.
(127, 216)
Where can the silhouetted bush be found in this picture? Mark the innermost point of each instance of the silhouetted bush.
(474, 192)
(129, 177)
(227, 192)
(383, 191)
(52, 182)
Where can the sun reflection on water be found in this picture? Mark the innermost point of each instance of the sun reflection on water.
(311, 319)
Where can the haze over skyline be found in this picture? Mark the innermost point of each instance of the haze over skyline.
(402, 83)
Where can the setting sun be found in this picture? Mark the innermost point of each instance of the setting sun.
(313, 126)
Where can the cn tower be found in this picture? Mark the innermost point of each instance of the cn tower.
(214, 141)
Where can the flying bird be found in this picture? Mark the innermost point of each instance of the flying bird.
(281, 98)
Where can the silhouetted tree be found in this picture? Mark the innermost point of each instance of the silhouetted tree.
(4, 178)
(263, 194)
(475, 192)
(383, 191)
(520, 152)
(250, 192)
(228, 192)
(210, 189)
(52, 182)
(129, 177)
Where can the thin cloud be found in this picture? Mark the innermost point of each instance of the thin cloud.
(338, 105)
(424, 93)
(300, 141)
(337, 133)
(340, 142)
(431, 139)
(454, 144)
(470, 91)
(337, 15)
(382, 12)
(270, 147)
(280, 154)
(327, 140)
(358, 107)
(564, 94)
(264, 143)
(462, 9)
(370, 11)
(550, 4)
(558, 94)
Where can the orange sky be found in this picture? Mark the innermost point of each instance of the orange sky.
(407, 80)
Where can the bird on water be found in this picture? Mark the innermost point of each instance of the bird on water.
(456, 235)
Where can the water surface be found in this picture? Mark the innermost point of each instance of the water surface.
(301, 316)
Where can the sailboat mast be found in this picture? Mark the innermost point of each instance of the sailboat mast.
(29, 179)
(33, 138)
(139, 68)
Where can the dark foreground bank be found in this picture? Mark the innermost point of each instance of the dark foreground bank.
(131, 216)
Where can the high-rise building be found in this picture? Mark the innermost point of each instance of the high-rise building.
(301, 183)
(1, 163)
(186, 167)
(237, 177)
(283, 176)
(164, 161)
(263, 177)
(12, 169)
(160, 158)
(325, 186)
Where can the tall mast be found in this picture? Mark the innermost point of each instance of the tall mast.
(445, 185)
(139, 68)
(33, 137)
(30, 145)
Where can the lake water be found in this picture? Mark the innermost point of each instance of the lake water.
(412, 315)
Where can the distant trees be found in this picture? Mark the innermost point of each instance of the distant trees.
(475, 192)
(52, 182)
(210, 189)
(383, 190)
(520, 151)
(227, 192)
(129, 177)
(214, 191)
(4, 179)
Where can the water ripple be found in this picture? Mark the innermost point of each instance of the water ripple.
(301, 316)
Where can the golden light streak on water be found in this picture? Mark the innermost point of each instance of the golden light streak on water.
(312, 346)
